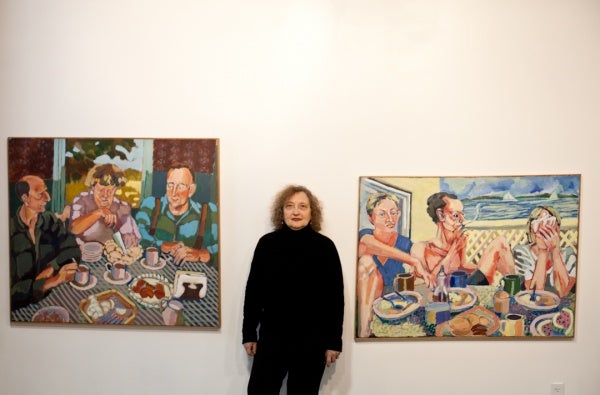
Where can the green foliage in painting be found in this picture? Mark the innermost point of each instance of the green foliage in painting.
(81, 154)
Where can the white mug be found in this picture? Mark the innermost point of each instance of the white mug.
(172, 311)
(117, 270)
(152, 256)
(82, 275)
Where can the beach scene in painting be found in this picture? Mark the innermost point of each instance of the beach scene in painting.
(468, 257)
(114, 231)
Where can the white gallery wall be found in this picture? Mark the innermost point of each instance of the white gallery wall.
(314, 92)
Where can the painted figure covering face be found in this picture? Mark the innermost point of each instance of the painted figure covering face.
(542, 262)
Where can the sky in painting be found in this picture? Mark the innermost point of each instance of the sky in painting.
(472, 187)
(133, 161)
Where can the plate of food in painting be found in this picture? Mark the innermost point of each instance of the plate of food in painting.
(461, 299)
(149, 289)
(114, 253)
(541, 325)
(544, 300)
(51, 315)
(553, 324)
(394, 305)
(477, 321)
(108, 307)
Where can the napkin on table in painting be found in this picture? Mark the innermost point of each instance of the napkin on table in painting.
(189, 285)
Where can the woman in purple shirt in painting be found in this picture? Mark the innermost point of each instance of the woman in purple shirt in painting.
(96, 215)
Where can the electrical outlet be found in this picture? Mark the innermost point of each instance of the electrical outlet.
(557, 389)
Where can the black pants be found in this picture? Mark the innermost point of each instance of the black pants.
(303, 365)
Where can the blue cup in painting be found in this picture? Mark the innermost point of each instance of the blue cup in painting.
(458, 279)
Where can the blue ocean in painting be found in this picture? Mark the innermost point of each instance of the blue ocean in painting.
(491, 209)
(498, 198)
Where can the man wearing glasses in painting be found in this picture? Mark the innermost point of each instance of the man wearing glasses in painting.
(448, 248)
(175, 223)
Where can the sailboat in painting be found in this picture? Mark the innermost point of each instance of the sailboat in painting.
(508, 197)
(493, 219)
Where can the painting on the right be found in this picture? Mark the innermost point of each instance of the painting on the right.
(470, 257)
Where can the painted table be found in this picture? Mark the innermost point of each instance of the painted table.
(198, 312)
(416, 323)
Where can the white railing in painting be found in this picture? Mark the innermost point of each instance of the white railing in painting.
(481, 234)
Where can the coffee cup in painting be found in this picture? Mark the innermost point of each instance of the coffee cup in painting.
(458, 279)
(117, 270)
(511, 283)
(404, 282)
(152, 256)
(82, 275)
(501, 302)
(513, 325)
(172, 311)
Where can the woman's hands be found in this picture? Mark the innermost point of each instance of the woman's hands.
(250, 348)
(547, 237)
(547, 243)
(331, 356)
(109, 218)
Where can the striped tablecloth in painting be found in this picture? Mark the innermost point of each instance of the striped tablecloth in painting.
(202, 312)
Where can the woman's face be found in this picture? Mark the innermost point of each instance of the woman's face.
(296, 211)
(104, 195)
(385, 215)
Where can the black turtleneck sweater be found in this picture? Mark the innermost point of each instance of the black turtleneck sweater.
(295, 290)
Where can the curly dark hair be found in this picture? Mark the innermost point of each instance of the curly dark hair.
(316, 212)
(436, 201)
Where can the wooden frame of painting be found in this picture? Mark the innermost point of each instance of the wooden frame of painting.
(115, 232)
(491, 257)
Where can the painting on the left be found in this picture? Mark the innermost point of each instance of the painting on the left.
(114, 231)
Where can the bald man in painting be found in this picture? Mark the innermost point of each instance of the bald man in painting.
(43, 254)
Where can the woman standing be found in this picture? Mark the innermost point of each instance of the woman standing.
(295, 293)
